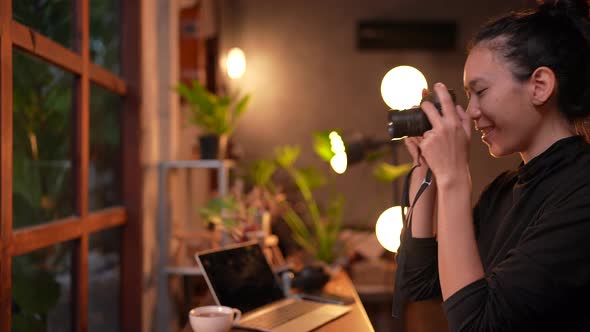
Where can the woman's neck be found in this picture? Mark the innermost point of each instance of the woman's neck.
(554, 128)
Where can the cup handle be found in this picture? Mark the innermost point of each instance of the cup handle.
(237, 315)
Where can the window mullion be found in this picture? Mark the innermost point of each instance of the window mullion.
(81, 162)
(6, 164)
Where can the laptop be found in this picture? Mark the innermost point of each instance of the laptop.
(241, 277)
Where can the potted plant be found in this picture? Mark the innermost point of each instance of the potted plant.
(313, 228)
(216, 115)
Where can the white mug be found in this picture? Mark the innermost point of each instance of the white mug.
(213, 318)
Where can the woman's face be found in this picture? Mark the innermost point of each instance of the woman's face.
(498, 104)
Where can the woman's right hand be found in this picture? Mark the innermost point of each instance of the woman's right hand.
(413, 146)
(423, 215)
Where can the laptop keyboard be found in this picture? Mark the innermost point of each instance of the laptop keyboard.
(282, 315)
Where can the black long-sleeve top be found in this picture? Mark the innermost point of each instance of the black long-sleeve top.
(533, 233)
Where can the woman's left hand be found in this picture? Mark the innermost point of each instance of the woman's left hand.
(446, 146)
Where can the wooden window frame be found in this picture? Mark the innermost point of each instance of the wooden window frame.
(78, 228)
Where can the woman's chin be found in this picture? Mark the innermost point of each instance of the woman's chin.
(496, 151)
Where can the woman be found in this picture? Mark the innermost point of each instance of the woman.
(520, 260)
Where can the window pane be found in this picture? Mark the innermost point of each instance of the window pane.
(52, 18)
(104, 181)
(42, 167)
(105, 33)
(104, 280)
(42, 290)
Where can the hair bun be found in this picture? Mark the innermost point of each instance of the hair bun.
(577, 8)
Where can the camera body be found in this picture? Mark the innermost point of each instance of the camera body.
(413, 121)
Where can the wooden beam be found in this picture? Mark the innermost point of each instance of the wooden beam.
(81, 164)
(36, 237)
(32, 238)
(107, 80)
(132, 239)
(42, 47)
(105, 219)
(36, 44)
(6, 165)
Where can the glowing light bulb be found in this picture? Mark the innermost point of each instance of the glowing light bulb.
(389, 227)
(339, 161)
(236, 63)
(401, 87)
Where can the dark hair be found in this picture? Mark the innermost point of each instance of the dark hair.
(556, 35)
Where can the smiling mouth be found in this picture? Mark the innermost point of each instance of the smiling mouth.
(486, 133)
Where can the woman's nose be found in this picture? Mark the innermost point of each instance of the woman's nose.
(473, 111)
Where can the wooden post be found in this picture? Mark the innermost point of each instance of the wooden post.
(6, 165)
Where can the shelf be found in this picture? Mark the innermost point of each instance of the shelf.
(203, 163)
(222, 169)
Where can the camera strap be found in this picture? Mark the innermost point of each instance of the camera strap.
(398, 298)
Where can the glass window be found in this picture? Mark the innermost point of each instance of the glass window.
(104, 274)
(42, 290)
(52, 18)
(104, 181)
(105, 24)
(42, 167)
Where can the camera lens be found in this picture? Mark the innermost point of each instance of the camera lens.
(412, 122)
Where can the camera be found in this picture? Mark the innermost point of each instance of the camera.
(413, 121)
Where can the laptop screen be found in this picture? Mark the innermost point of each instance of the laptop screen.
(240, 277)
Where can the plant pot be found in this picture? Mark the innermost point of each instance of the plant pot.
(213, 146)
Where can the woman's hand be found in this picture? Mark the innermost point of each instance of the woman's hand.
(446, 146)
(413, 146)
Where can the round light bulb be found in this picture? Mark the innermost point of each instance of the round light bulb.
(339, 160)
(236, 63)
(401, 87)
(339, 163)
(389, 227)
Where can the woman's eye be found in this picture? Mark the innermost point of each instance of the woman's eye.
(480, 92)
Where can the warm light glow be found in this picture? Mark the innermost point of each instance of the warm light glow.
(339, 161)
(389, 227)
(236, 63)
(401, 87)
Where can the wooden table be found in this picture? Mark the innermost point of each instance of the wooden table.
(356, 320)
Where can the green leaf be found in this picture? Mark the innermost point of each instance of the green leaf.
(260, 172)
(386, 172)
(334, 212)
(287, 155)
(26, 323)
(223, 102)
(322, 146)
(305, 244)
(229, 222)
(313, 177)
(241, 105)
(214, 114)
(295, 223)
(35, 293)
(218, 209)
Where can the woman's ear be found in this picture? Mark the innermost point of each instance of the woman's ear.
(543, 85)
